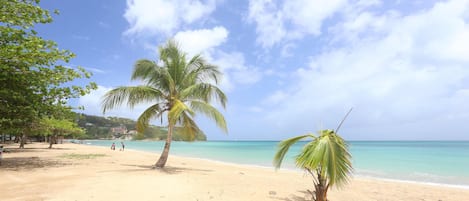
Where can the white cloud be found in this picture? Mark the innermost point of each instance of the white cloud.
(232, 64)
(94, 70)
(235, 69)
(150, 17)
(202, 40)
(308, 16)
(411, 73)
(291, 19)
(269, 20)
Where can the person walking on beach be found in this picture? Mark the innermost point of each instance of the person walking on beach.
(113, 146)
(123, 146)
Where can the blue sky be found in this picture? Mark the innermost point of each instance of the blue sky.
(291, 67)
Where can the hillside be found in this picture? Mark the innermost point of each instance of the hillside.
(98, 127)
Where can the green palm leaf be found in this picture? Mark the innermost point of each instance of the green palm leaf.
(175, 86)
(284, 146)
(133, 95)
(326, 156)
(210, 112)
(153, 111)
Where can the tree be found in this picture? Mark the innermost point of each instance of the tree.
(52, 128)
(326, 158)
(34, 82)
(177, 88)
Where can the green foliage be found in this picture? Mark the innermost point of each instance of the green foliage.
(326, 157)
(51, 126)
(34, 82)
(97, 127)
(179, 88)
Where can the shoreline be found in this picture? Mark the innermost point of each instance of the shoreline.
(294, 169)
(127, 175)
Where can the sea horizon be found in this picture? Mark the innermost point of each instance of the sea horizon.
(434, 162)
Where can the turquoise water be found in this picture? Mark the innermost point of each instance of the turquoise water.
(441, 162)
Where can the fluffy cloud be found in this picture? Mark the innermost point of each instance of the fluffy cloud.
(290, 19)
(403, 73)
(203, 40)
(232, 64)
(235, 69)
(270, 27)
(149, 17)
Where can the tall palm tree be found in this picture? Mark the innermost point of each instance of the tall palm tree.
(176, 87)
(326, 158)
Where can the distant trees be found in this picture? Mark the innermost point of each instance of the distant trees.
(97, 127)
(177, 87)
(52, 128)
(34, 82)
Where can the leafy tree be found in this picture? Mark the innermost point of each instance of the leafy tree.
(34, 83)
(175, 86)
(326, 158)
(59, 127)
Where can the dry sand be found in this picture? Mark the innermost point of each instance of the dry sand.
(63, 174)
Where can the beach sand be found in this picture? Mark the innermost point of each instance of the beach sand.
(64, 173)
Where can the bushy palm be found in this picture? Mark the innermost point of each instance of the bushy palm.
(176, 87)
(326, 158)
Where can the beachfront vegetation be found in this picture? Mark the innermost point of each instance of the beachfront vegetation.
(326, 158)
(34, 80)
(97, 127)
(176, 87)
(52, 128)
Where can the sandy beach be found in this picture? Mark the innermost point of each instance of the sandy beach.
(80, 172)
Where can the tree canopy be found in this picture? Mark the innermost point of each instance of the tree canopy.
(35, 81)
(177, 87)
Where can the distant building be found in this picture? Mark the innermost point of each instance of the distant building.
(118, 131)
(129, 135)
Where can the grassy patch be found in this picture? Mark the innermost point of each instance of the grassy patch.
(82, 156)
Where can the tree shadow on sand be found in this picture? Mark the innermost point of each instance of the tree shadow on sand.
(166, 169)
(31, 149)
(301, 196)
(29, 163)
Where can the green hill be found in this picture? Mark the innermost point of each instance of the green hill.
(98, 127)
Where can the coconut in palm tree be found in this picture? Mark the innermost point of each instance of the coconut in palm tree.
(177, 88)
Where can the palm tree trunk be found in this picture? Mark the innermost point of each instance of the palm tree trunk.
(321, 189)
(164, 156)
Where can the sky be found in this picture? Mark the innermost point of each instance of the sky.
(290, 67)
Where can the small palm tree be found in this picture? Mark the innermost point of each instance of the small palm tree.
(177, 88)
(326, 158)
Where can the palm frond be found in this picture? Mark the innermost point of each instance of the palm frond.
(131, 95)
(283, 148)
(329, 154)
(202, 71)
(211, 112)
(205, 92)
(177, 109)
(190, 128)
(143, 120)
(144, 69)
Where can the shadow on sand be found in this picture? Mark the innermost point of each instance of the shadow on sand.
(31, 149)
(300, 196)
(167, 169)
(28, 163)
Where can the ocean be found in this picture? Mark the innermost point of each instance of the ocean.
(435, 162)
